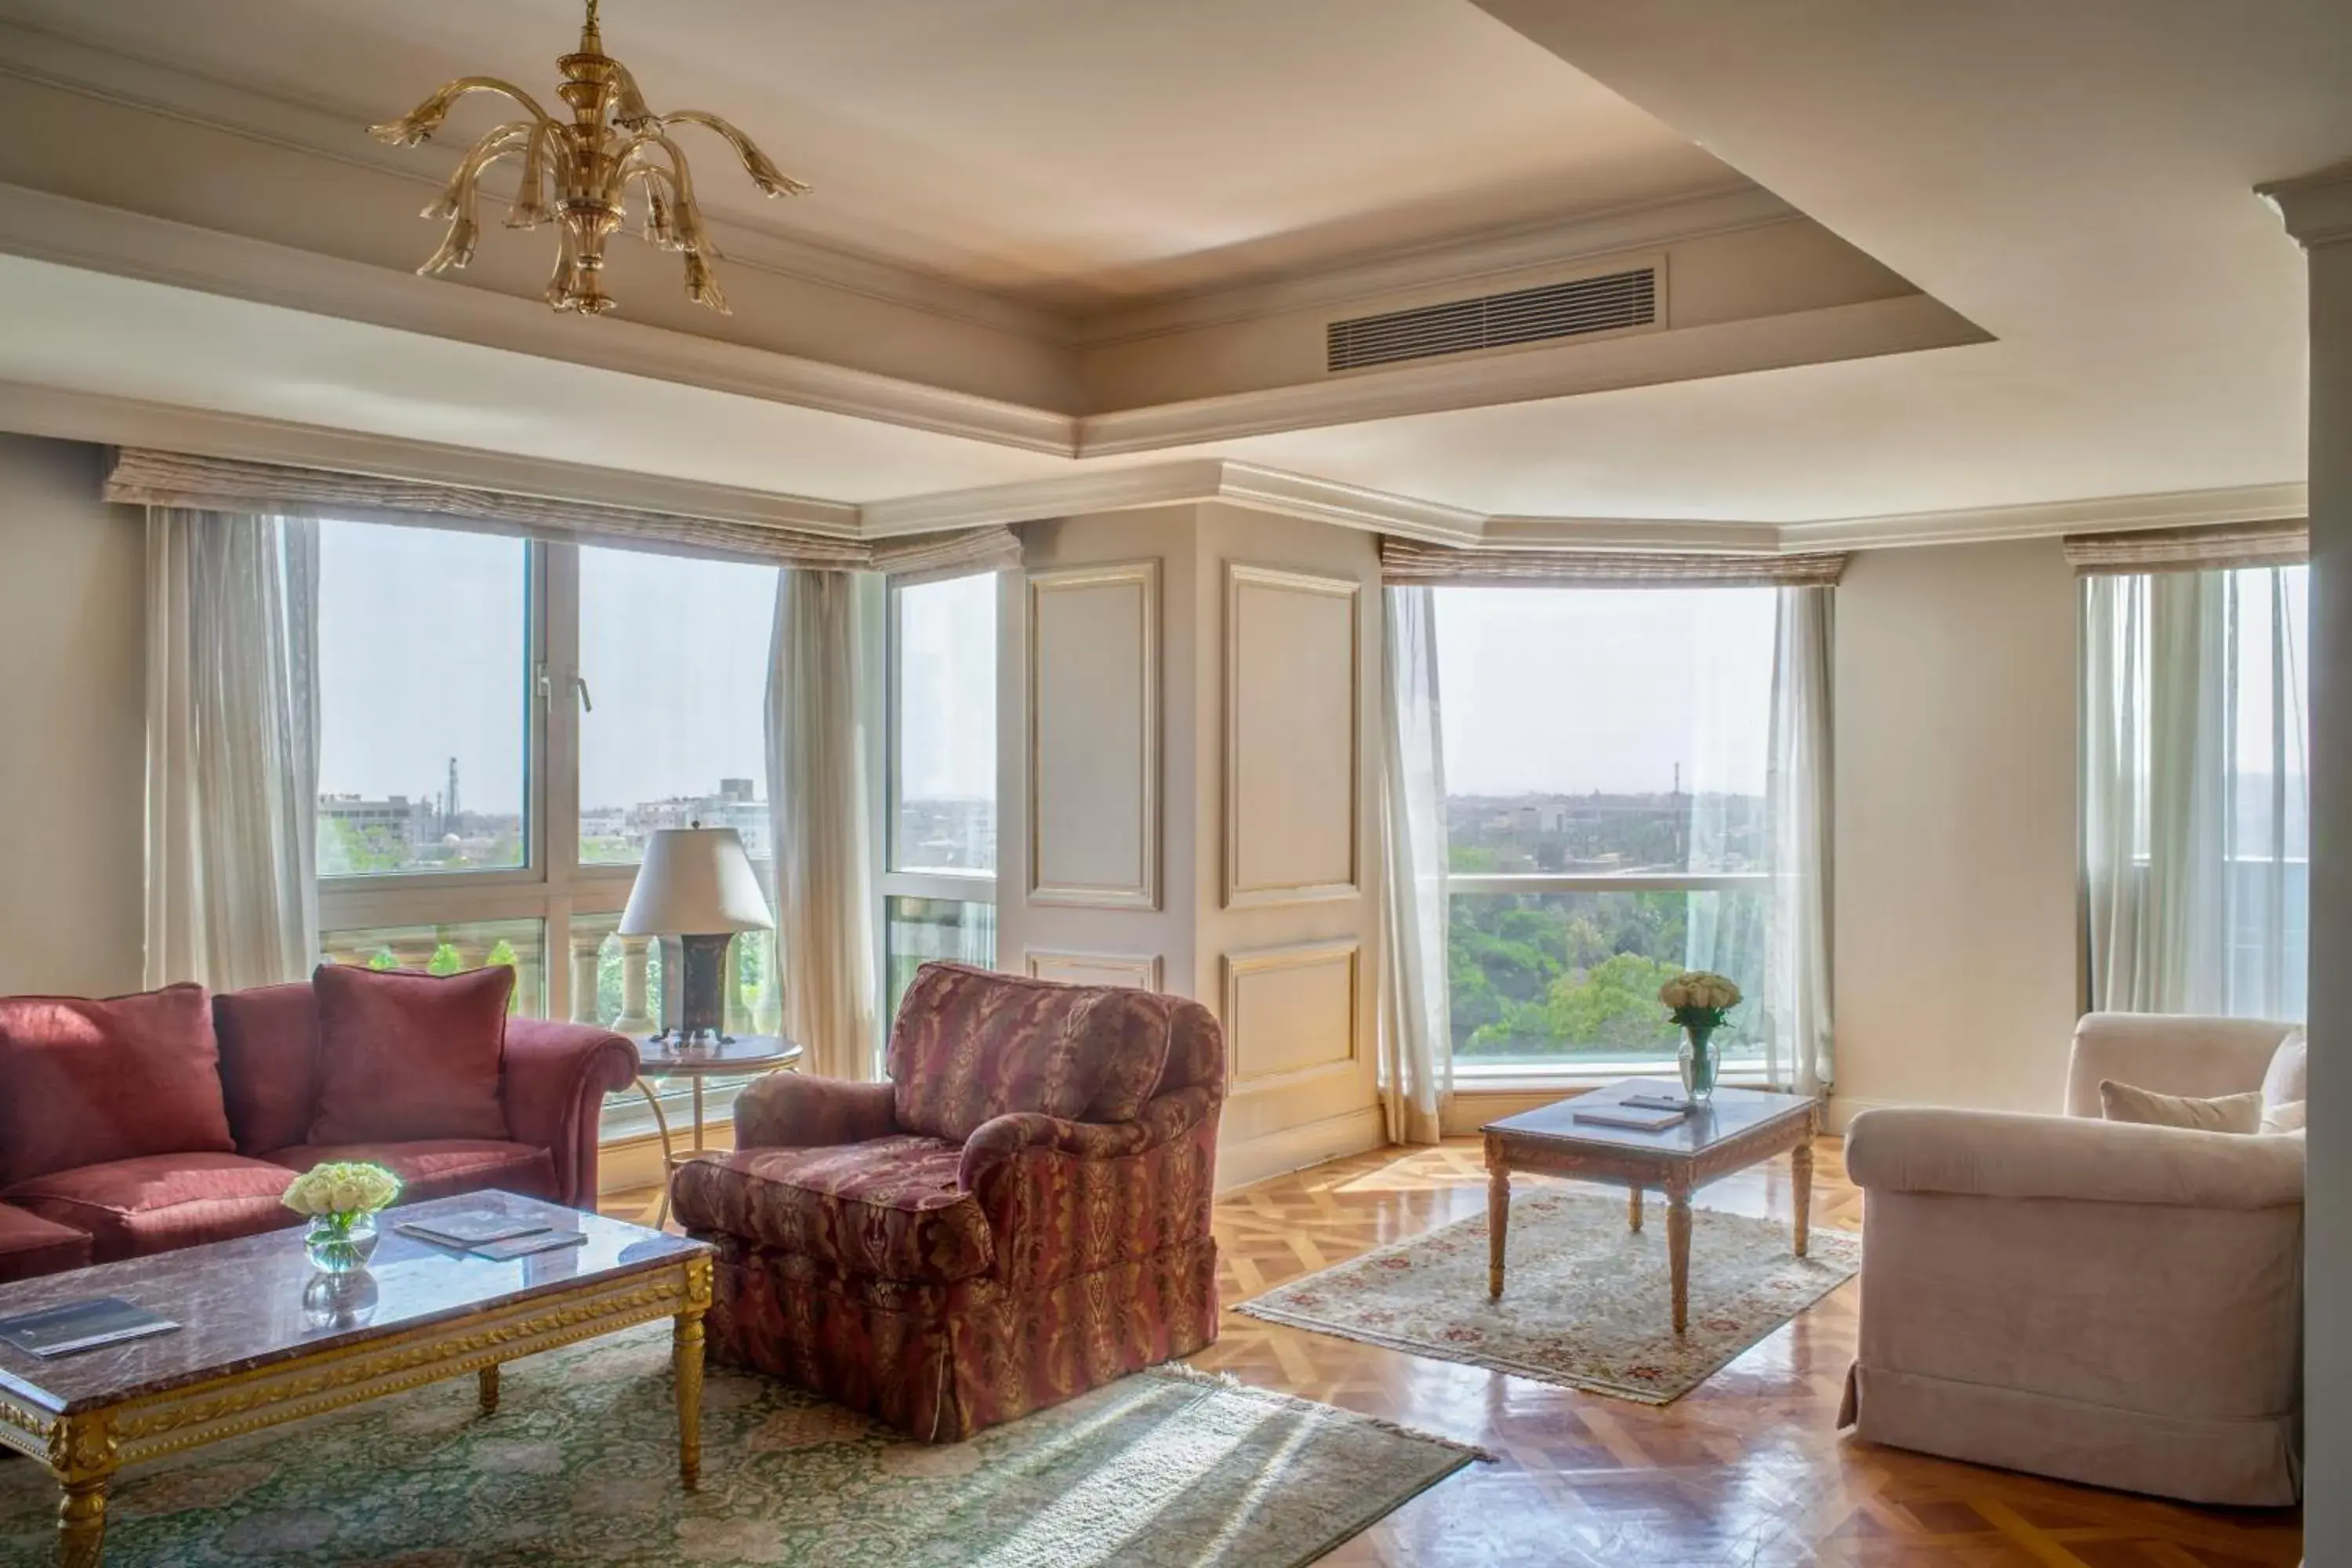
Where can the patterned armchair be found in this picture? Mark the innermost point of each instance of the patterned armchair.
(1019, 1214)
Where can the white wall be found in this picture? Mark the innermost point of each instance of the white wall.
(72, 726)
(1954, 921)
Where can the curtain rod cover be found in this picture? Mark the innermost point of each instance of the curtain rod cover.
(1404, 561)
(140, 476)
(2212, 547)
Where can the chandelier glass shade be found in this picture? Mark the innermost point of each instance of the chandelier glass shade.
(581, 174)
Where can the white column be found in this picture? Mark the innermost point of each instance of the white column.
(584, 975)
(635, 1019)
(2319, 212)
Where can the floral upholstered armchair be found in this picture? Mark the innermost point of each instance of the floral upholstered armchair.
(1019, 1214)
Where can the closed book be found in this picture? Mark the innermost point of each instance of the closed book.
(471, 1227)
(81, 1326)
(524, 1246)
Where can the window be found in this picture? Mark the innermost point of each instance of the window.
(1605, 753)
(673, 723)
(424, 706)
(2196, 791)
(502, 725)
(938, 831)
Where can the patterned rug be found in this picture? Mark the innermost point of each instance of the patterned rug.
(1586, 1302)
(1167, 1468)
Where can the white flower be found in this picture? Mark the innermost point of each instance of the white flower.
(1698, 989)
(342, 1187)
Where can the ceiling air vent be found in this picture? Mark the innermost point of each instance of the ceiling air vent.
(1569, 310)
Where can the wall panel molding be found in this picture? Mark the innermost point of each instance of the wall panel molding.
(1094, 748)
(1141, 970)
(1292, 781)
(1291, 1014)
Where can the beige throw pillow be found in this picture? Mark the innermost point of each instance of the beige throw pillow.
(2284, 1086)
(2229, 1113)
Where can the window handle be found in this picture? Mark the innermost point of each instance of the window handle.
(587, 702)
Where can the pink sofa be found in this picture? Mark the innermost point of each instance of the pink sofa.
(257, 1065)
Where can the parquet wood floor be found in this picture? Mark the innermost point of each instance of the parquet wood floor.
(1748, 1470)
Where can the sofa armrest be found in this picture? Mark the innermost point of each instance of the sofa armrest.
(794, 1110)
(2004, 1154)
(553, 1085)
(2169, 1054)
(1065, 1199)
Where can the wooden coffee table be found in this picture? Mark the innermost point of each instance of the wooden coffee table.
(1740, 1127)
(253, 1350)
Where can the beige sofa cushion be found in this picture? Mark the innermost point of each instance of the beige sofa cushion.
(2226, 1113)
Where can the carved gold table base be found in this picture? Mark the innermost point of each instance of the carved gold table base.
(84, 1449)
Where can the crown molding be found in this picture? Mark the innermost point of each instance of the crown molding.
(1644, 225)
(109, 421)
(2315, 207)
(1903, 324)
(2047, 520)
(60, 229)
(106, 72)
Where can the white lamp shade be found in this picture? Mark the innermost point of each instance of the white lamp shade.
(696, 881)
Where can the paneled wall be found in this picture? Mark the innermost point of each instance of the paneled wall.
(1187, 728)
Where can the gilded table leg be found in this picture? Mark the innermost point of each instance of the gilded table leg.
(1633, 1210)
(490, 1389)
(687, 1360)
(82, 1458)
(1678, 1230)
(1498, 1224)
(1800, 1163)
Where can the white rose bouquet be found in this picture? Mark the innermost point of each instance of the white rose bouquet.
(343, 1188)
(1699, 1000)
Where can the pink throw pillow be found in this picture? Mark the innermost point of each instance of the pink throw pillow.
(85, 1082)
(404, 1056)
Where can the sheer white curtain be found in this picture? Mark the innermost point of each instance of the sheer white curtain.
(1798, 1048)
(2196, 795)
(816, 790)
(232, 748)
(1416, 1050)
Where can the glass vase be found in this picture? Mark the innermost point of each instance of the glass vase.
(339, 1243)
(1697, 1059)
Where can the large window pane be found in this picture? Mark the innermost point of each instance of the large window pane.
(1593, 735)
(943, 706)
(675, 655)
(1550, 977)
(917, 930)
(424, 709)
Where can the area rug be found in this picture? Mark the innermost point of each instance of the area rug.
(1586, 1302)
(580, 1465)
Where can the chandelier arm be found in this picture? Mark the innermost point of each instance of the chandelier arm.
(771, 180)
(422, 121)
(458, 194)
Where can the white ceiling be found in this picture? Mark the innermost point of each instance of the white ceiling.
(1073, 154)
(2076, 180)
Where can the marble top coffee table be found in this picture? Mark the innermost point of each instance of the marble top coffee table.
(252, 1352)
(1739, 1127)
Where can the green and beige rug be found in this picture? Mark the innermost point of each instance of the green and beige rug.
(579, 1467)
(1586, 1302)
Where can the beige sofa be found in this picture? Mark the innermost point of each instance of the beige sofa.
(2113, 1304)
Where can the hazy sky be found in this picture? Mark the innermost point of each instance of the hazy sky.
(1578, 689)
(947, 690)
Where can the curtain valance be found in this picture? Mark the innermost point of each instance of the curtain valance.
(2215, 547)
(144, 477)
(1404, 561)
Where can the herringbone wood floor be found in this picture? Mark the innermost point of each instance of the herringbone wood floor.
(1747, 1471)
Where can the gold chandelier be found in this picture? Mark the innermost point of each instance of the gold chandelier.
(579, 174)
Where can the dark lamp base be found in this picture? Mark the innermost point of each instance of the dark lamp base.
(702, 991)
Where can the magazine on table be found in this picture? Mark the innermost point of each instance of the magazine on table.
(1633, 1118)
(81, 1326)
(471, 1227)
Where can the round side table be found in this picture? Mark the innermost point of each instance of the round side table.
(744, 1055)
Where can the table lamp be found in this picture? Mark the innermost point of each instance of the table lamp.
(697, 886)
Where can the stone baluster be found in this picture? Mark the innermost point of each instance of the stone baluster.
(635, 1018)
(584, 946)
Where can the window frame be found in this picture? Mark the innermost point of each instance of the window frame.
(553, 886)
(879, 606)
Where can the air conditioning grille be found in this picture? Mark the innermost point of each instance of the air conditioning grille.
(1583, 305)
